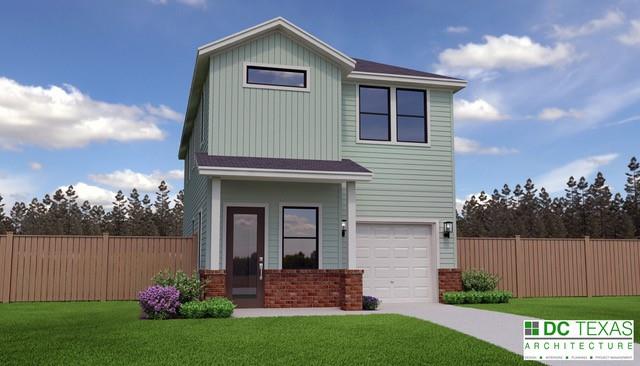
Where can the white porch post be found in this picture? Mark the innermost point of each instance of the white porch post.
(215, 222)
(351, 224)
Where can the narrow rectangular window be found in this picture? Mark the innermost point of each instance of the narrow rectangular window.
(300, 238)
(262, 75)
(375, 123)
(411, 112)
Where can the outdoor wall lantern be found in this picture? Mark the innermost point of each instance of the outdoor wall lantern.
(447, 229)
(344, 227)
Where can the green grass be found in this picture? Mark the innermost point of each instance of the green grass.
(622, 307)
(111, 333)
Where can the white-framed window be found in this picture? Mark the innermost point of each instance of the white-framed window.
(392, 115)
(279, 77)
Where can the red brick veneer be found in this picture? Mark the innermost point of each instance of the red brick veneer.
(214, 282)
(449, 279)
(313, 288)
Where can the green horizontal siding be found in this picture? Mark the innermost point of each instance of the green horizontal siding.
(275, 123)
(409, 181)
(276, 193)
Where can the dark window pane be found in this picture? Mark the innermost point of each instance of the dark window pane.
(411, 129)
(245, 255)
(374, 100)
(300, 222)
(278, 77)
(410, 102)
(374, 127)
(299, 254)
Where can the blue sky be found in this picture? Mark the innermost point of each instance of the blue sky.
(92, 94)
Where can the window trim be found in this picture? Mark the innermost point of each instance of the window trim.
(424, 116)
(199, 237)
(388, 114)
(246, 84)
(202, 116)
(393, 117)
(304, 205)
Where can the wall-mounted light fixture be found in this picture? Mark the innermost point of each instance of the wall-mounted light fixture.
(447, 229)
(344, 227)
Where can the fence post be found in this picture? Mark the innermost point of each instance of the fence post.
(5, 296)
(588, 270)
(105, 266)
(520, 277)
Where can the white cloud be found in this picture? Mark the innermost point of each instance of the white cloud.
(14, 188)
(555, 180)
(457, 29)
(34, 165)
(127, 179)
(95, 195)
(164, 112)
(552, 114)
(192, 3)
(468, 146)
(505, 52)
(611, 19)
(632, 37)
(63, 117)
(478, 109)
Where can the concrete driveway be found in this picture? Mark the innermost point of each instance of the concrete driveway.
(475, 322)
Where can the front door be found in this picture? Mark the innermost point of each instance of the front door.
(245, 256)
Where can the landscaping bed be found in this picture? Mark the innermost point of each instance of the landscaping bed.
(111, 333)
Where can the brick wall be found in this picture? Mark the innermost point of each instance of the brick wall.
(214, 282)
(313, 288)
(449, 279)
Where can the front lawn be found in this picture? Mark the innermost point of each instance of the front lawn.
(614, 308)
(110, 333)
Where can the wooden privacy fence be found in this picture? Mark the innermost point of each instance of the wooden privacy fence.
(65, 268)
(556, 267)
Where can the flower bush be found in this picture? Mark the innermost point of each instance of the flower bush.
(160, 302)
(476, 280)
(217, 307)
(370, 302)
(477, 297)
(190, 287)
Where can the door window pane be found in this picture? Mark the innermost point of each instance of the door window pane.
(245, 255)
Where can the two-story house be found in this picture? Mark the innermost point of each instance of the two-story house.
(312, 178)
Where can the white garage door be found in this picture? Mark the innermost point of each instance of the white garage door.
(398, 261)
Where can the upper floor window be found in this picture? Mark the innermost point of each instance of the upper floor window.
(411, 115)
(275, 77)
(374, 113)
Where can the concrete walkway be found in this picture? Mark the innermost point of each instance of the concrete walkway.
(473, 322)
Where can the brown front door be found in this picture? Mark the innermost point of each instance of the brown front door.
(245, 256)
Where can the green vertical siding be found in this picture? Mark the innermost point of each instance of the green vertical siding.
(276, 193)
(274, 123)
(197, 189)
(409, 182)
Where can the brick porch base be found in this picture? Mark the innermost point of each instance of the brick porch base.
(449, 279)
(299, 288)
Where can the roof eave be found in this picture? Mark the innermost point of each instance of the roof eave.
(455, 84)
(284, 175)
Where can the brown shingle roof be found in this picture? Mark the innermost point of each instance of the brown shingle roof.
(378, 68)
(344, 165)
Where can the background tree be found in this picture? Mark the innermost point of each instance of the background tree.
(632, 187)
(163, 215)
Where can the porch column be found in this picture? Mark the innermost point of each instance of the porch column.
(215, 222)
(351, 224)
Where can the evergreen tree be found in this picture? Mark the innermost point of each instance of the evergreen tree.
(163, 215)
(136, 214)
(117, 217)
(148, 222)
(178, 214)
(5, 222)
(98, 220)
(621, 224)
(528, 212)
(632, 187)
(33, 218)
(90, 226)
(598, 206)
(73, 217)
(18, 212)
(551, 215)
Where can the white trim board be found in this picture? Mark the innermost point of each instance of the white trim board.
(284, 175)
(361, 76)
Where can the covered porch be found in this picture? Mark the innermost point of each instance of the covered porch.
(282, 231)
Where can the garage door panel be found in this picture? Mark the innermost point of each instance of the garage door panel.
(396, 259)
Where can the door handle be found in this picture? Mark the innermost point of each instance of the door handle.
(260, 265)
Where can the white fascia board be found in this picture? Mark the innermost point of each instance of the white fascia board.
(284, 175)
(393, 78)
(278, 22)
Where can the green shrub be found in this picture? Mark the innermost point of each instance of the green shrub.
(217, 307)
(477, 280)
(477, 297)
(190, 287)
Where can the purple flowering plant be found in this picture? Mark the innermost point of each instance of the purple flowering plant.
(159, 302)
